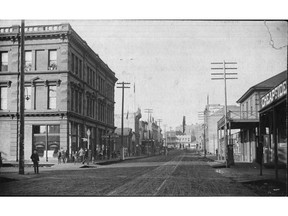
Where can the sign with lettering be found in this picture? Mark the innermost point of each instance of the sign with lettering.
(275, 94)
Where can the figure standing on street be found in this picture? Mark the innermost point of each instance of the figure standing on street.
(63, 155)
(75, 157)
(59, 157)
(85, 157)
(35, 158)
(81, 154)
(67, 156)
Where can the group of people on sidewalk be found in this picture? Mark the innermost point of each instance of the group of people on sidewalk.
(63, 156)
(81, 156)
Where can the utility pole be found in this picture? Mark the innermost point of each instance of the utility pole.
(149, 111)
(122, 86)
(223, 76)
(201, 117)
(159, 133)
(165, 138)
(159, 120)
(22, 101)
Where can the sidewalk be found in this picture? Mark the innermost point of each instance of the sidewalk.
(247, 172)
(10, 169)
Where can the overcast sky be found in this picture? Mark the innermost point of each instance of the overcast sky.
(170, 61)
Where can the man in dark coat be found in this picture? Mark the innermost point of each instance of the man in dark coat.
(35, 158)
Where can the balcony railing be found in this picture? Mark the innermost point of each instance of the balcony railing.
(239, 115)
(242, 114)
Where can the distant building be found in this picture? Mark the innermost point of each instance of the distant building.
(68, 91)
(184, 141)
(212, 113)
(132, 121)
(171, 139)
(127, 141)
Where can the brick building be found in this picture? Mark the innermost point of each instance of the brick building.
(68, 90)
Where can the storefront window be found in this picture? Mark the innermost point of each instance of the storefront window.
(46, 140)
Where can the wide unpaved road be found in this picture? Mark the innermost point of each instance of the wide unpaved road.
(180, 173)
(183, 174)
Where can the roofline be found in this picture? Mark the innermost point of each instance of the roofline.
(250, 91)
(59, 30)
(256, 88)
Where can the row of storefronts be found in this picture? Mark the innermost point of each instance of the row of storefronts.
(260, 124)
(272, 125)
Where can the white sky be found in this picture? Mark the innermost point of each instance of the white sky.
(156, 60)
(172, 59)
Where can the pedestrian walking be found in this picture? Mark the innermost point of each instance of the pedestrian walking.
(85, 157)
(63, 155)
(59, 157)
(75, 157)
(35, 158)
(66, 156)
(81, 154)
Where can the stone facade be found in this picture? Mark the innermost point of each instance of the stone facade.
(68, 90)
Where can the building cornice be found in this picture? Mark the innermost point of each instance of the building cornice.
(63, 31)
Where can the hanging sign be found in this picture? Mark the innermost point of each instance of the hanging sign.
(275, 94)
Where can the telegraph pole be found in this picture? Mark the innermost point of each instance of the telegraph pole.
(22, 101)
(122, 86)
(201, 117)
(149, 111)
(165, 138)
(159, 120)
(223, 76)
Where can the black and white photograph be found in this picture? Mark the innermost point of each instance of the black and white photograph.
(139, 108)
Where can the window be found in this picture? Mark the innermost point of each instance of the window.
(4, 61)
(28, 61)
(72, 99)
(80, 102)
(28, 98)
(80, 68)
(88, 74)
(76, 65)
(52, 97)
(94, 79)
(88, 103)
(72, 63)
(52, 62)
(3, 98)
(46, 139)
(76, 100)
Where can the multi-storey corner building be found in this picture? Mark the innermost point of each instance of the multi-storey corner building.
(68, 91)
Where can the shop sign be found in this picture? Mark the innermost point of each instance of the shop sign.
(274, 95)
